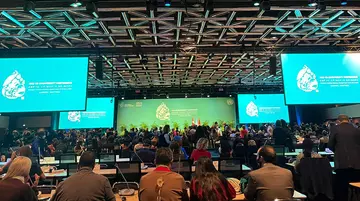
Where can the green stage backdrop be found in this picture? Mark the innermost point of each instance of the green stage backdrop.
(175, 112)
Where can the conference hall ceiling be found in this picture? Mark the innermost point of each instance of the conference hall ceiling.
(189, 43)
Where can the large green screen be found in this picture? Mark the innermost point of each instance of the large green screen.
(175, 112)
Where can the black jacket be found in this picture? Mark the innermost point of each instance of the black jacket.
(345, 142)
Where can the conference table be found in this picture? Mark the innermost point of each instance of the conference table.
(322, 153)
(63, 173)
(332, 164)
(135, 197)
(354, 191)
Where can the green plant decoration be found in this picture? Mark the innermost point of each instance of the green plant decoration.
(206, 123)
(143, 125)
(154, 125)
(175, 125)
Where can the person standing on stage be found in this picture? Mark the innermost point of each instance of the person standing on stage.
(345, 143)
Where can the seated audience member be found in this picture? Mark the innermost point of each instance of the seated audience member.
(225, 146)
(51, 147)
(208, 184)
(145, 153)
(201, 150)
(35, 170)
(307, 152)
(85, 184)
(13, 186)
(125, 150)
(79, 149)
(179, 139)
(270, 181)
(177, 153)
(162, 184)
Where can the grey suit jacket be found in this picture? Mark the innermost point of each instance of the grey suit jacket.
(268, 183)
(84, 185)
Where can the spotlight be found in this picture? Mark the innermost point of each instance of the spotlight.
(122, 98)
(265, 5)
(76, 4)
(163, 58)
(210, 56)
(144, 97)
(343, 2)
(186, 96)
(230, 95)
(208, 96)
(29, 6)
(256, 2)
(144, 60)
(167, 96)
(312, 3)
(321, 5)
(167, 3)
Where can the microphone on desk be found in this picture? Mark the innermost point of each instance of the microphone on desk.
(128, 191)
(143, 167)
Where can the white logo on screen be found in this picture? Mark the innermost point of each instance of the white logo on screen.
(163, 112)
(14, 86)
(74, 116)
(252, 110)
(306, 80)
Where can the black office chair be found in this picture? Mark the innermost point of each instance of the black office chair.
(71, 169)
(183, 167)
(231, 167)
(117, 186)
(240, 152)
(131, 171)
(67, 158)
(107, 158)
(46, 189)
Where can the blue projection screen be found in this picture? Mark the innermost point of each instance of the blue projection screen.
(262, 108)
(43, 84)
(321, 78)
(99, 114)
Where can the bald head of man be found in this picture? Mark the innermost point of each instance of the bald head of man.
(266, 154)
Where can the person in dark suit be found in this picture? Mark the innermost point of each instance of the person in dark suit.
(270, 181)
(13, 187)
(345, 143)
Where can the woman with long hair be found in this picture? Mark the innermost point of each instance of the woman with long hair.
(13, 186)
(208, 184)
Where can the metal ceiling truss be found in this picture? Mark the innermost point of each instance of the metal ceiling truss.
(183, 46)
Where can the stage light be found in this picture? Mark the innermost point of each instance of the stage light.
(144, 60)
(265, 5)
(186, 96)
(208, 96)
(76, 4)
(343, 2)
(230, 95)
(145, 97)
(167, 96)
(312, 3)
(256, 3)
(29, 6)
(167, 3)
(229, 59)
(122, 98)
(210, 56)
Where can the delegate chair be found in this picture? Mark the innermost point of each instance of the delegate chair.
(231, 167)
(316, 179)
(240, 152)
(131, 171)
(107, 158)
(182, 167)
(124, 185)
(71, 169)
